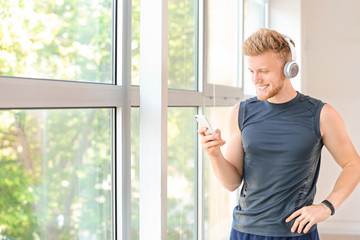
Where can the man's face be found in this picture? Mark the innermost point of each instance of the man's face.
(267, 74)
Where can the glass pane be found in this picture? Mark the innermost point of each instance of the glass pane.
(182, 44)
(55, 177)
(182, 142)
(135, 43)
(223, 56)
(135, 177)
(218, 202)
(254, 18)
(62, 39)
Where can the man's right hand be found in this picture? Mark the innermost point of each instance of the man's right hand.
(211, 143)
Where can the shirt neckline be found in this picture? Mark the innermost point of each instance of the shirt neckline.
(285, 104)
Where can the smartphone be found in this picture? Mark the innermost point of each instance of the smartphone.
(203, 122)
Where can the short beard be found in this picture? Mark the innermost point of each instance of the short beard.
(273, 92)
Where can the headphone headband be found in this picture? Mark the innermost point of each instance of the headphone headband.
(292, 48)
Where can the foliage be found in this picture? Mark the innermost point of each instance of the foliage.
(63, 39)
(56, 176)
(56, 179)
(182, 53)
(182, 47)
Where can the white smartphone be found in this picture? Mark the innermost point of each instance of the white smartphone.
(203, 122)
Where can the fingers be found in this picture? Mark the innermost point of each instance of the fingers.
(297, 223)
(308, 226)
(202, 131)
(304, 221)
(212, 140)
(301, 224)
(294, 215)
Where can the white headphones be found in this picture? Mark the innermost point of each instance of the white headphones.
(291, 68)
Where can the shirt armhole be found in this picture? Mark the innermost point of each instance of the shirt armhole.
(317, 119)
(241, 115)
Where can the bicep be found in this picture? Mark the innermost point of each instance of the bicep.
(234, 151)
(335, 136)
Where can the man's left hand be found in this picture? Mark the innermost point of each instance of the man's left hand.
(308, 216)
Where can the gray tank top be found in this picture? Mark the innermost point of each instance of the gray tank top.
(282, 150)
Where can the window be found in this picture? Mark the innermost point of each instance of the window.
(218, 202)
(181, 190)
(58, 138)
(74, 151)
(208, 61)
(135, 175)
(135, 43)
(63, 40)
(223, 53)
(56, 178)
(182, 28)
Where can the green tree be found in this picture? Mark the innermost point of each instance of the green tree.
(64, 39)
(56, 164)
(57, 178)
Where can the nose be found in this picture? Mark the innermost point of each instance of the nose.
(256, 78)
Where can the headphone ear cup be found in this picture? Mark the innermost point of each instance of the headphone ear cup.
(291, 69)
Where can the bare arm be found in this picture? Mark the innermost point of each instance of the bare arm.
(337, 141)
(229, 169)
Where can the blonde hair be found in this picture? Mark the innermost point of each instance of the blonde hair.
(264, 40)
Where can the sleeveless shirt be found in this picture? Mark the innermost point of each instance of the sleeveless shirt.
(282, 151)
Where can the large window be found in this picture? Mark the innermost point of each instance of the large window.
(223, 36)
(56, 178)
(58, 138)
(135, 43)
(182, 181)
(218, 202)
(65, 40)
(92, 156)
(182, 30)
(205, 57)
(135, 147)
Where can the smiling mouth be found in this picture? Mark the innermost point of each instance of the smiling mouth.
(262, 87)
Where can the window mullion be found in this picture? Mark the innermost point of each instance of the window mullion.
(123, 161)
(153, 118)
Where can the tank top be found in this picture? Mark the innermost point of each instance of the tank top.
(282, 151)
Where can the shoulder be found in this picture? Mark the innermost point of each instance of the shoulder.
(310, 102)
(234, 117)
(249, 103)
(329, 114)
(330, 119)
(234, 112)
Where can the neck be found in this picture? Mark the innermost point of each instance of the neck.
(286, 93)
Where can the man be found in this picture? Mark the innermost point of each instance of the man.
(274, 149)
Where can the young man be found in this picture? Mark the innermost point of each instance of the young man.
(274, 149)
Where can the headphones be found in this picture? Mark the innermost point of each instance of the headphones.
(291, 69)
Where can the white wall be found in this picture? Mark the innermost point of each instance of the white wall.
(330, 62)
